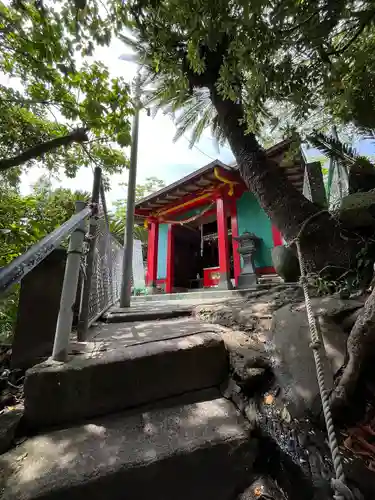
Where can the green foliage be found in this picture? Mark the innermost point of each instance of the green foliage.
(46, 53)
(24, 220)
(8, 314)
(118, 217)
(335, 149)
(282, 61)
(352, 280)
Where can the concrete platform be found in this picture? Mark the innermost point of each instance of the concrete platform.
(203, 294)
(126, 334)
(142, 311)
(111, 376)
(200, 451)
(160, 308)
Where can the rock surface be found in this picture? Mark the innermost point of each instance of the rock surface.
(280, 346)
(285, 263)
(293, 360)
(101, 382)
(262, 487)
(358, 209)
(9, 422)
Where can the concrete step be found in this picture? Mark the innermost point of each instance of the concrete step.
(199, 451)
(111, 378)
(147, 312)
(203, 295)
(271, 279)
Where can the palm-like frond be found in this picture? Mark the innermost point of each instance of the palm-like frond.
(367, 133)
(191, 110)
(117, 229)
(335, 149)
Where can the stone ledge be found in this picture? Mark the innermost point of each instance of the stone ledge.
(104, 382)
(202, 450)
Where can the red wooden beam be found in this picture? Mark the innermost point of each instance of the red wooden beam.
(186, 203)
(141, 211)
(222, 234)
(170, 260)
(277, 237)
(152, 254)
(235, 244)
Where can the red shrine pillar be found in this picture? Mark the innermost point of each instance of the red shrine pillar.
(235, 244)
(223, 244)
(170, 260)
(152, 253)
(276, 237)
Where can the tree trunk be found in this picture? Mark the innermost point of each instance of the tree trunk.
(79, 136)
(360, 347)
(322, 242)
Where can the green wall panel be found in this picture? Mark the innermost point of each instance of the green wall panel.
(190, 213)
(162, 251)
(253, 219)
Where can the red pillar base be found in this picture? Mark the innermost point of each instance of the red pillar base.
(170, 261)
(235, 244)
(222, 234)
(277, 237)
(152, 255)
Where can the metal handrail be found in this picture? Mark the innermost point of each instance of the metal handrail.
(22, 265)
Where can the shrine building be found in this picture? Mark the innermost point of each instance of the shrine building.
(193, 222)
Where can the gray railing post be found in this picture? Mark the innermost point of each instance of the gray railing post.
(69, 290)
(83, 323)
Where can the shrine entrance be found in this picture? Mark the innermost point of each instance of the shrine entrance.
(196, 254)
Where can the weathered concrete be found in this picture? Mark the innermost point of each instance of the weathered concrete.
(147, 312)
(9, 422)
(105, 381)
(117, 336)
(199, 451)
(262, 487)
(207, 294)
(293, 361)
(38, 310)
(286, 263)
(358, 209)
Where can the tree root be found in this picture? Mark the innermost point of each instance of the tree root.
(360, 347)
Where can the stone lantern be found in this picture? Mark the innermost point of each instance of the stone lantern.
(248, 245)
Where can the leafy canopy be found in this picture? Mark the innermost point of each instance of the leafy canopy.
(54, 84)
(306, 58)
(25, 220)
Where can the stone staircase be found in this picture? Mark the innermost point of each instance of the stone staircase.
(132, 415)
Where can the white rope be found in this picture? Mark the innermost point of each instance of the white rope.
(342, 492)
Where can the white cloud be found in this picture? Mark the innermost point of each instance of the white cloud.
(158, 156)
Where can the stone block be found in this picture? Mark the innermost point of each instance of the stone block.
(285, 263)
(101, 382)
(38, 310)
(9, 421)
(203, 450)
(358, 210)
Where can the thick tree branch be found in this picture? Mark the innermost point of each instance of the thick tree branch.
(302, 23)
(79, 136)
(360, 30)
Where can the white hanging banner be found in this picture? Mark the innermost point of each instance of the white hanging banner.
(138, 267)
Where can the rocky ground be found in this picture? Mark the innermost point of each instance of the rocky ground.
(11, 400)
(274, 383)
